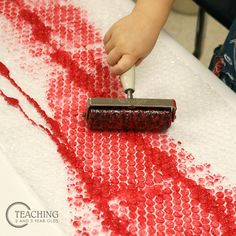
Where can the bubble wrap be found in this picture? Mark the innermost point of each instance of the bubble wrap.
(111, 183)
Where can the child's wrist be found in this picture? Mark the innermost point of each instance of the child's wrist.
(155, 11)
(145, 13)
(151, 21)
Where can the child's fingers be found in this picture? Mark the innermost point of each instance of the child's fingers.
(125, 63)
(139, 61)
(107, 36)
(109, 46)
(114, 56)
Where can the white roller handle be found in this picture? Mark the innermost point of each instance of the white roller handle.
(128, 79)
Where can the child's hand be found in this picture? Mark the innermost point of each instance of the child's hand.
(130, 40)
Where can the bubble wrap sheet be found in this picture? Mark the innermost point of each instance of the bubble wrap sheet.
(112, 183)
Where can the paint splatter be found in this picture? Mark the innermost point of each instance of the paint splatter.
(119, 183)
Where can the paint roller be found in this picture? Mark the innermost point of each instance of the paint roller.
(130, 114)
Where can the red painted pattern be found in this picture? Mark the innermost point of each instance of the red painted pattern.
(134, 183)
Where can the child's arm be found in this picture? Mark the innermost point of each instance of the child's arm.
(133, 37)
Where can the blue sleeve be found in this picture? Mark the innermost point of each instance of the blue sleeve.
(223, 63)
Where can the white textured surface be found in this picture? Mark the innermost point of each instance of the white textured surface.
(205, 119)
(34, 157)
(25, 195)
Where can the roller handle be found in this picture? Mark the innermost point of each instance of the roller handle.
(128, 80)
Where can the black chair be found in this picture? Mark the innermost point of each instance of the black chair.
(224, 11)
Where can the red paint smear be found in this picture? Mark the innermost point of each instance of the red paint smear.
(64, 59)
(15, 103)
(4, 70)
(40, 31)
(11, 101)
(102, 191)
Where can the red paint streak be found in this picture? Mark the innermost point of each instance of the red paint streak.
(64, 59)
(42, 33)
(39, 30)
(15, 103)
(4, 70)
(11, 101)
(145, 180)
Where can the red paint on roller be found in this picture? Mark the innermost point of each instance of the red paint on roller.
(143, 173)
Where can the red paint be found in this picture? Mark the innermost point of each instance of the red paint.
(139, 170)
(42, 33)
(129, 119)
(69, 157)
(4, 70)
(11, 101)
(39, 30)
(14, 102)
(64, 59)
(50, 121)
